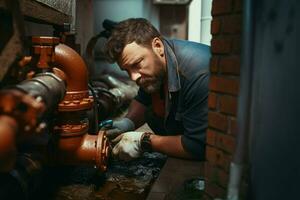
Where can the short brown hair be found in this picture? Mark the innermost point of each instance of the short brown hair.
(137, 30)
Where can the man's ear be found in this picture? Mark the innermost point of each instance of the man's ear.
(158, 47)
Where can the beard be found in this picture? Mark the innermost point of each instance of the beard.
(151, 84)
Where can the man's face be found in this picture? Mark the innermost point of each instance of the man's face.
(145, 65)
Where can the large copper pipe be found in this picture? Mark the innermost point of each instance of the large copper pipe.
(85, 149)
(71, 63)
(74, 144)
(8, 129)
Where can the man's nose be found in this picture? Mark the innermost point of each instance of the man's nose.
(135, 75)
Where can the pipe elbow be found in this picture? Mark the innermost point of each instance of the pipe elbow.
(71, 63)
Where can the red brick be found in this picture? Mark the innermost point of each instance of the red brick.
(212, 100)
(218, 158)
(211, 137)
(222, 141)
(214, 190)
(232, 126)
(228, 104)
(221, 7)
(221, 45)
(238, 5)
(224, 85)
(215, 26)
(232, 24)
(214, 64)
(225, 142)
(236, 45)
(217, 121)
(215, 175)
(230, 65)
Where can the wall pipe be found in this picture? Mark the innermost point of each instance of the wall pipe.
(244, 104)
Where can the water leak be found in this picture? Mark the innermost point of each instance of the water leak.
(123, 180)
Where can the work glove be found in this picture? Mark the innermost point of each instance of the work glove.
(128, 146)
(118, 127)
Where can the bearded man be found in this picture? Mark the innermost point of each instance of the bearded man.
(173, 78)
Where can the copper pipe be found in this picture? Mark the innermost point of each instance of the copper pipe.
(8, 129)
(85, 149)
(73, 144)
(71, 63)
(73, 66)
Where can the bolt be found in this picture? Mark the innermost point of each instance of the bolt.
(41, 127)
(27, 128)
(39, 99)
(76, 102)
(66, 102)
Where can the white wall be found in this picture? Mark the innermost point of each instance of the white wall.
(118, 10)
(199, 21)
(84, 22)
(205, 21)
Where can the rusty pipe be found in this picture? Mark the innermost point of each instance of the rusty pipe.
(77, 96)
(8, 129)
(71, 63)
(82, 148)
(22, 108)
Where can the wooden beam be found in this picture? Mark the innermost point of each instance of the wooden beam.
(44, 13)
(41, 13)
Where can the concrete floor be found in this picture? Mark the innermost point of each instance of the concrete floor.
(177, 180)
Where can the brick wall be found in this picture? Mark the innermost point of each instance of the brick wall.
(224, 90)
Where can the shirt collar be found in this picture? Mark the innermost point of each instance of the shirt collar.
(172, 67)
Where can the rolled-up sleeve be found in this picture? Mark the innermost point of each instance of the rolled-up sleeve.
(194, 115)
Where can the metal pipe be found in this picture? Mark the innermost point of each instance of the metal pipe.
(48, 87)
(75, 148)
(71, 63)
(73, 143)
(244, 104)
(8, 128)
(22, 108)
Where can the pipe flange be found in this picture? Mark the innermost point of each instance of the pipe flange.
(71, 130)
(76, 104)
(44, 40)
(103, 150)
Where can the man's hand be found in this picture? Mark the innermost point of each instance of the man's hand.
(119, 127)
(129, 146)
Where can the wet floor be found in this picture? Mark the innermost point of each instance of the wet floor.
(123, 180)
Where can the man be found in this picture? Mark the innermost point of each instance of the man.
(173, 78)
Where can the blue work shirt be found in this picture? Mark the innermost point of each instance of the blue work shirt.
(186, 104)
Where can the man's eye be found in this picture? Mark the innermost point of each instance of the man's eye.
(138, 64)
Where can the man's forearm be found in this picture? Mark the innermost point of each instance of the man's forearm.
(170, 145)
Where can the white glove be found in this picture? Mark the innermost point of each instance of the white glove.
(129, 145)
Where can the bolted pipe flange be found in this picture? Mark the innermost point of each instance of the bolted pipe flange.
(44, 47)
(45, 41)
